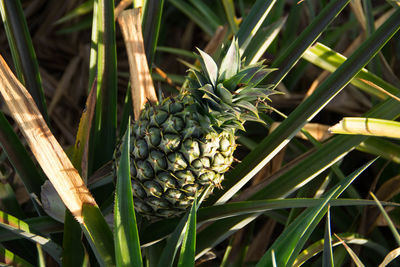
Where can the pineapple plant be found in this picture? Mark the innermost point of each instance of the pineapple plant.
(184, 144)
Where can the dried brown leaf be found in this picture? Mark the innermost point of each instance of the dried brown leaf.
(141, 82)
(48, 152)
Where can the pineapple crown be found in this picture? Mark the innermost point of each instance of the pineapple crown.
(229, 94)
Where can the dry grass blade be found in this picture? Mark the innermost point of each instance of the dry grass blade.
(318, 131)
(48, 152)
(141, 83)
(390, 257)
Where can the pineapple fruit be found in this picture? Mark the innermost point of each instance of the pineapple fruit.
(184, 144)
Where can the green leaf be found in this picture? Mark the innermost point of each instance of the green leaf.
(12, 259)
(253, 22)
(223, 93)
(99, 235)
(209, 67)
(381, 147)
(126, 237)
(208, 14)
(151, 27)
(80, 10)
(31, 176)
(230, 14)
(106, 105)
(230, 63)
(23, 229)
(391, 225)
(174, 240)
(326, 58)
(73, 251)
(176, 51)
(327, 257)
(194, 15)
(22, 50)
(188, 248)
(262, 41)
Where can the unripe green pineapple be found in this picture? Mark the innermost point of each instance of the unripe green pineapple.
(184, 144)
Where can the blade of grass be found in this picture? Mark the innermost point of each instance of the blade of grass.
(327, 59)
(23, 53)
(188, 248)
(151, 27)
(99, 235)
(73, 251)
(390, 257)
(392, 227)
(352, 254)
(80, 10)
(381, 147)
(169, 252)
(177, 51)
(253, 22)
(31, 176)
(10, 259)
(22, 229)
(285, 245)
(106, 108)
(230, 15)
(261, 41)
(93, 46)
(44, 225)
(327, 257)
(126, 237)
(208, 13)
(194, 15)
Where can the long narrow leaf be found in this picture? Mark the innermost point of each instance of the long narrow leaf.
(188, 248)
(31, 176)
(327, 257)
(10, 259)
(253, 22)
(151, 27)
(126, 237)
(329, 60)
(22, 50)
(22, 229)
(106, 108)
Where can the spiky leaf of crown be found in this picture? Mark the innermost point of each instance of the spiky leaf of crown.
(229, 94)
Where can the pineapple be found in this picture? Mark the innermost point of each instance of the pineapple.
(185, 143)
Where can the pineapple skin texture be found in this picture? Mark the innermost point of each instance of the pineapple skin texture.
(174, 157)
